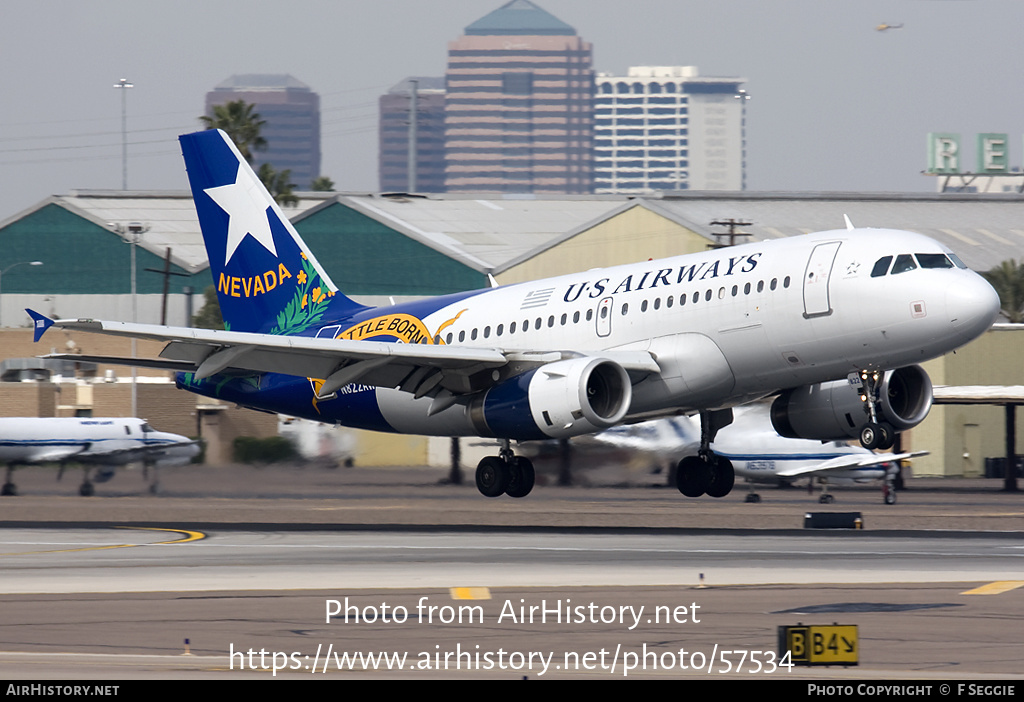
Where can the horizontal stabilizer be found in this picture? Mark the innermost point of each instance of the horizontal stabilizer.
(40, 323)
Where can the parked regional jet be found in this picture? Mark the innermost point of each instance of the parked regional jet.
(91, 442)
(834, 321)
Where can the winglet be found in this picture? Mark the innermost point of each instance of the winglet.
(849, 224)
(40, 323)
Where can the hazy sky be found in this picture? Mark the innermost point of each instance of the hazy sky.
(835, 104)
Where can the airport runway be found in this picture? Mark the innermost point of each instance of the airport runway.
(82, 598)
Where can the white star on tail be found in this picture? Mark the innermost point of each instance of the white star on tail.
(247, 211)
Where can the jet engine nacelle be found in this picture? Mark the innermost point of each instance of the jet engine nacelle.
(557, 400)
(834, 411)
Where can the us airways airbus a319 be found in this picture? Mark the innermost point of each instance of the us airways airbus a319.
(833, 322)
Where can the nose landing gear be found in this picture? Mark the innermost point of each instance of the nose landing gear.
(875, 434)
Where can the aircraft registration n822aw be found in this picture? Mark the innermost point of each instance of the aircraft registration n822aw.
(833, 323)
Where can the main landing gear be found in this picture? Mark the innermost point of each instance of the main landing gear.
(875, 434)
(826, 497)
(889, 487)
(9, 489)
(707, 473)
(505, 473)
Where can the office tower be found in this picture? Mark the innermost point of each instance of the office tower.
(291, 111)
(667, 128)
(518, 105)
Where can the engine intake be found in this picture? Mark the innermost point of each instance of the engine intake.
(834, 411)
(558, 400)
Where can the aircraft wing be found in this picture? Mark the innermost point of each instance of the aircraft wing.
(131, 454)
(55, 454)
(417, 367)
(848, 462)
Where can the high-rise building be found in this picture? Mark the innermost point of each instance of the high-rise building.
(518, 105)
(667, 128)
(414, 108)
(291, 111)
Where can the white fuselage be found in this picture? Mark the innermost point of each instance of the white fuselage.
(107, 441)
(730, 325)
(760, 457)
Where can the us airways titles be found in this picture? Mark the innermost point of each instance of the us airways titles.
(666, 276)
(253, 285)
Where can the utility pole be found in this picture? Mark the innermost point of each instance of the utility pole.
(166, 272)
(732, 224)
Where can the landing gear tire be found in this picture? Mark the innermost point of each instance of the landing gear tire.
(521, 477)
(693, 477)
(723, 477)
(752, 498)
(492, 476)
(888, 436)
(826, 499)
(889, 496)
(9, 490)
(86, 490)
(871, 435)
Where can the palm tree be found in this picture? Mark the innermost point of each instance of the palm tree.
(209, 316)
(322, 184)
(279, 184)
(238, 120)
(1008, 280)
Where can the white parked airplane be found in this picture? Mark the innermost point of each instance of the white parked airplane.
(757, 453)
(760, 455)
(834, 321)
(91, 442)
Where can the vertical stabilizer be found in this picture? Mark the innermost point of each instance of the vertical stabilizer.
(267, 280)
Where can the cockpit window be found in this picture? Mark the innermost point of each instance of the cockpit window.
(145, 427)
(881, 266)
(933, 260)
(956, 260)
(904, 263)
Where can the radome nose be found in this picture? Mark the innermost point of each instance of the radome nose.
(972, 304)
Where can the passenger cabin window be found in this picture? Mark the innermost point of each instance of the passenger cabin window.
(881, 267)
(904, 263)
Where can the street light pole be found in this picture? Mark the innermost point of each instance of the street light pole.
(123, 85)
(19, 263)
(135, 232)
(132, 234)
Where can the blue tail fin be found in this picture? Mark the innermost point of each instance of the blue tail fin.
(266, 279)
(40, 323)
